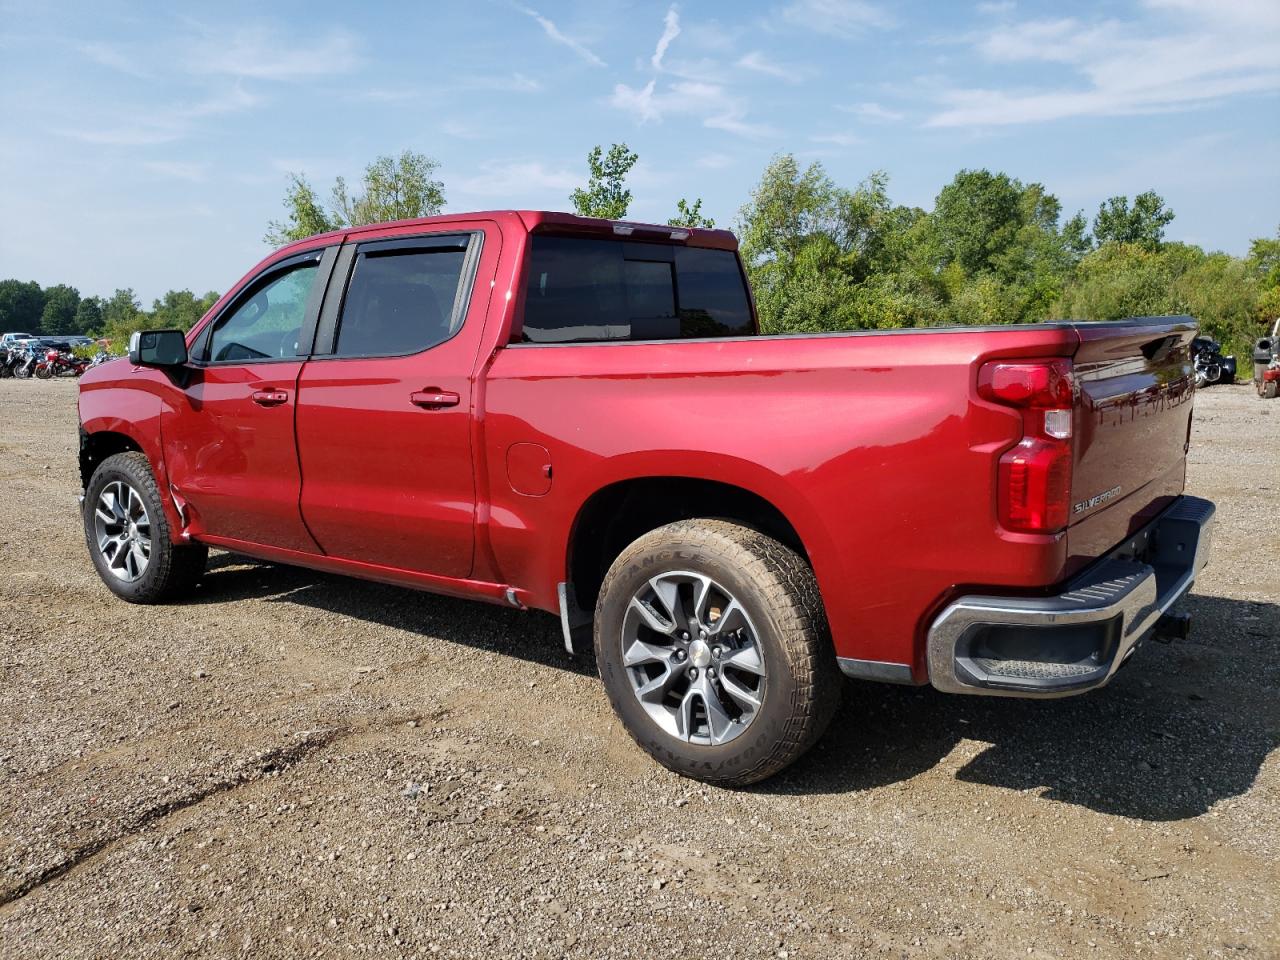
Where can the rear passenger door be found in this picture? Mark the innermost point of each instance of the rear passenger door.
(384, 404)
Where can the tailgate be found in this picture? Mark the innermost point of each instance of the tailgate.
(1131, 427)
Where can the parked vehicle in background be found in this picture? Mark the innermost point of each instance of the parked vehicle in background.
(1210, 365)
(1266, 363)
(25, 362)
(11, 339)
(576, 415)
(59, 363)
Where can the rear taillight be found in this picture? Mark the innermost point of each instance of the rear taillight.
(1034, 478)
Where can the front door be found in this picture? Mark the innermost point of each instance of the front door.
(229, 445)
(384, 405)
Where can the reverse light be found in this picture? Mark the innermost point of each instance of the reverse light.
(1034, 478)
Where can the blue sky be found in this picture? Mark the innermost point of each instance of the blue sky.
(145, 145)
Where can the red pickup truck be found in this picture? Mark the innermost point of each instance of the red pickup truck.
(580, 416)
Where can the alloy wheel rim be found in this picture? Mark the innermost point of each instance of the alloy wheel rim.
(693, 658)
(122, 527)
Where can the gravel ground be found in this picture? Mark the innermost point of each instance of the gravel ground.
(299, 765)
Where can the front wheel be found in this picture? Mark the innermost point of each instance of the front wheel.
(43, 372)
(713, 646)
(1267, 389)
(127, 534)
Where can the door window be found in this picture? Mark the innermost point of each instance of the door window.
(401, 301)
(265, 324)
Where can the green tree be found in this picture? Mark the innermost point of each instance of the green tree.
(89, 315)
(606, 195)
(1264, 259)
(305, 216)
(392, 188)
(976, 218)
(121, 309)
(178, 308)
(1142, 224)
(59, 313)
(690, 215)
(21, 304)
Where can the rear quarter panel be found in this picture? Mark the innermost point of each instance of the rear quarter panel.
(875, 447)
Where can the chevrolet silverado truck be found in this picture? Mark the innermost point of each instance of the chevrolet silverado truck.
(581, 416)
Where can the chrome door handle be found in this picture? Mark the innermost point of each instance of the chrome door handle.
(433, 398)
(269, 398)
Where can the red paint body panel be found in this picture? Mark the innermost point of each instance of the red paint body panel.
(234, 462)
(874, 446)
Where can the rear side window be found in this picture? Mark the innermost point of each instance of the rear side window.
(583, 290)
(400, 301)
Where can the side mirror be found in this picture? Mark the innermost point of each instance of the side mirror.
(158, 348)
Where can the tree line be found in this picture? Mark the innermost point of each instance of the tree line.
(821, 256)
(26, 307)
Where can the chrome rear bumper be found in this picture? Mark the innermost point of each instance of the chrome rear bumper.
(1076, 640)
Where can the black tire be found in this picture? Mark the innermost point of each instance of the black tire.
(43, 372)
(778, 590)
(172, 571)
(1267, 389)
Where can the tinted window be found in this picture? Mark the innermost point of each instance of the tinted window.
(584, 289)
(400, 302)
(265, 325)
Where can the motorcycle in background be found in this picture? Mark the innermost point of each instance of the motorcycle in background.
(60, 363)
(25, 363)
(1210, 365)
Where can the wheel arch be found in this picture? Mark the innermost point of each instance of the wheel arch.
(620, 512)
(98, 445)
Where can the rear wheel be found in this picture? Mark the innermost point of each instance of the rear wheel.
(127, 534)
(1267, 389)
(713, 647)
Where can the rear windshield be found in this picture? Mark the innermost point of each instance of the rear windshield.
(583, 290)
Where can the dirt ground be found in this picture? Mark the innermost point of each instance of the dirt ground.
(294, 764)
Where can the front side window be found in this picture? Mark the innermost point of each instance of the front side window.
(400, 301)
(265, 325)
(584, 289)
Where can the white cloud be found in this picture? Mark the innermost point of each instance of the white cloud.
(715, 161)
(873, 112)
(707, 99)
(670, 30)
(513, 180)
(107, 55)
(718, 109)
(994, 8)
(163, 125)
(837, 139)
(263, 54)
(1192, 57)
(759, 63)
(555, 34)
(465, 131)
(839, 18)
(191, 172)
(125, 135)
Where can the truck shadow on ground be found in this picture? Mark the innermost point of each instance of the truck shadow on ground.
(1180, 728)
(533, 636)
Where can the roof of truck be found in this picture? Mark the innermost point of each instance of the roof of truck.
(552, 221)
